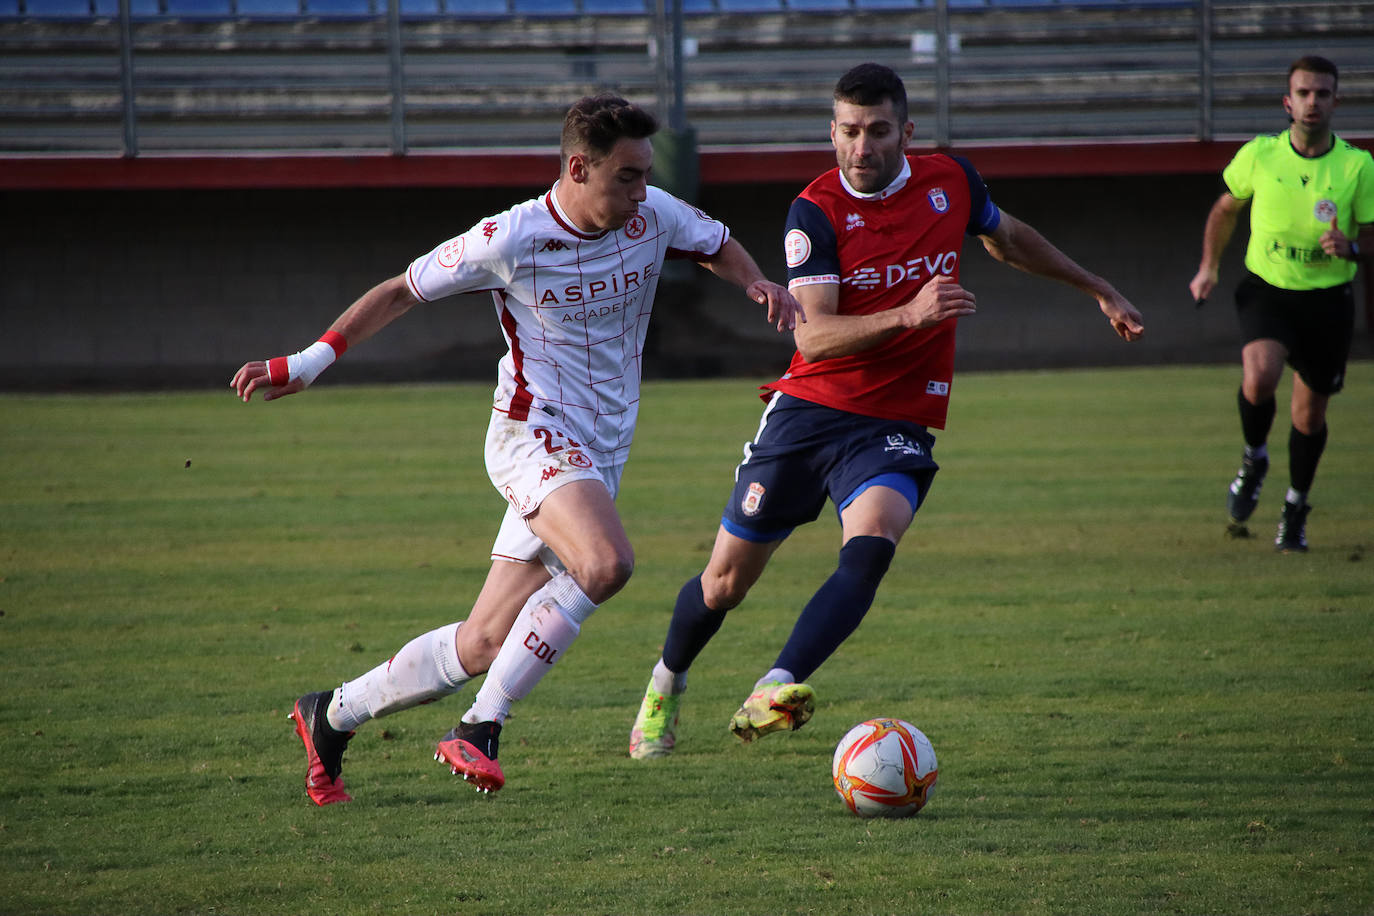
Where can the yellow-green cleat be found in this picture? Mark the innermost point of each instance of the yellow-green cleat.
(655, 729)
(773, 707)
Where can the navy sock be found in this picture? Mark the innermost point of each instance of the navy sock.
(838, 606)
(691, 628)
(1304, 452)
(1255, 419)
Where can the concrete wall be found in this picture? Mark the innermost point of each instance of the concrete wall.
(167, 288)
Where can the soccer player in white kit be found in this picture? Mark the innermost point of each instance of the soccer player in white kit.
(572, 275)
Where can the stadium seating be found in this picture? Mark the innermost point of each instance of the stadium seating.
(268, 9)
(820, 6)
(59, 9)
(615, 7)
(420, 9)
(333, 9)
(478, 9)
(199, 9)
(544, 7)
(750, 6)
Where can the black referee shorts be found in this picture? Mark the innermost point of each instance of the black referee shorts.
(1316, 325)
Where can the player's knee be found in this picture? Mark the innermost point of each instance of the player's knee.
(602, 575)
(723, 590)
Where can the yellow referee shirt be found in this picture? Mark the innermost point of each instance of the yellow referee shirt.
(1293, 201)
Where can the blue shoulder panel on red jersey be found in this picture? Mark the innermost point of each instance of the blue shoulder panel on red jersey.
(810, 242)
(983, 215)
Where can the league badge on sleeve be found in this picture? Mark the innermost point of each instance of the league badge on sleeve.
(797, 247)
(939, 202)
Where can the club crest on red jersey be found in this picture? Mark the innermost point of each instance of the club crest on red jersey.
(939, 202)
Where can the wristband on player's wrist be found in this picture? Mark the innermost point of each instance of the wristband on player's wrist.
(1354, 250)
(308, 363)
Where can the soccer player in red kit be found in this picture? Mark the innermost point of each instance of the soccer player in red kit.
(872, 253)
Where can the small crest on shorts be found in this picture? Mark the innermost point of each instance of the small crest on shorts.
(939, 202)
(1325, 211)
(753, 500)
(578, 459)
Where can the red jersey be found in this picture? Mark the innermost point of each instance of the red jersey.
(881, 249)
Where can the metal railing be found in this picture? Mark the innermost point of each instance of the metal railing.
(134, 84)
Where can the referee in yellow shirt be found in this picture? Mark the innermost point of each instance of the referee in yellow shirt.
(1312, 211)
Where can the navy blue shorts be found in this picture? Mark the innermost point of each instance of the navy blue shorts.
(804, 452)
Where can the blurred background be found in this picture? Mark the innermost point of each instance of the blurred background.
(189, 184)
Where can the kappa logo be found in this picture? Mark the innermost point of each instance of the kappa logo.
(853, 221)
(489, 229)
(549, 474)
(753, 500)
(554, 245)
(939, 201)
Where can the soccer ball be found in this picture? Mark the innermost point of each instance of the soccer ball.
(884, 768)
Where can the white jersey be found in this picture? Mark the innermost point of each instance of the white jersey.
(574, 308)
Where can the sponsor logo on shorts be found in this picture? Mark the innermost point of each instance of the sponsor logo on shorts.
(1324, 211)
(897, 442)
(939, 202)
(451, 252)
(635, 227)
(797, 247)
(753, 500)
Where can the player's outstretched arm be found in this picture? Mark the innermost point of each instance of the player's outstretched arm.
(284, 375)
(735, 265)
(1018, 244)
(1216, 235)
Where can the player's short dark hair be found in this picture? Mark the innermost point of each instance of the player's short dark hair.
(1314, 64)
(596, 122)
(871, 84)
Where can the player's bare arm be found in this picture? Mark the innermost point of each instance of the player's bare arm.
(735, 265)
(828, 334)
(1216, 235)
(374, 310)
(1018, 244)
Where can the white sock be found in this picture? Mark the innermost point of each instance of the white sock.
(547, 625)
(775, 674)
(666, 681)
(425, 669)
(1294, 498)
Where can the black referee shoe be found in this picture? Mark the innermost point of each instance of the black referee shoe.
(1292, 536)
(1243, 495)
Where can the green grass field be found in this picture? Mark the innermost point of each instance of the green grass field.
(1133, 713)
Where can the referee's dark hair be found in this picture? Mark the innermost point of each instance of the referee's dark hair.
(1314, 64)
(869, 84)
(594, 124)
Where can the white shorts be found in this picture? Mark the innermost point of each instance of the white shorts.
(526, 461)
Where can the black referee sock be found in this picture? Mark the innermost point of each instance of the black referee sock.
(1255, 419)
(1304, 452)
(838, 606)
(691, 628)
